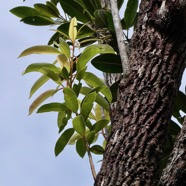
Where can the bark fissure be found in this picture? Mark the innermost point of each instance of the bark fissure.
(145, 101)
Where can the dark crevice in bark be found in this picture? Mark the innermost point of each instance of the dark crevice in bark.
(145, 102)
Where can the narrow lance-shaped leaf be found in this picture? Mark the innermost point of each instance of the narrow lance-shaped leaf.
(41, 49)
(40, 99)
(64, 47)
(99, 125)
(38, 20)
(70, 99)
(52, 75)
(99, 98)
(63, 140)
(94, 81)
(130, 12)
(52, 107)
(90, 52)
(42, 80)
(24, 11)
(87, 105)
(36, 67)
(73, 29)
(79, 124)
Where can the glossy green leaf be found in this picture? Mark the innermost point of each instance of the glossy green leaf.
(74, 138)
(97, 149)
(70, 99)
(63, 140)
(81, 73)
(90, 52)
(90, 137)
(61, 120)
(81, 147)
(109, 63)
(52, 107)
(130, 12)
(38, 20)
(42, 49)
(87, 105)
(94, 81)
(72, 33)
(64, 47)
(76, 88)
(40, 99)
(73, 9)
(24, 11)
(52, 75)
(79, 124)
(53, 7)
(36, 67)
(99, 125)
(42, 80)
(114, 90)
(45, 10)
(99, 98)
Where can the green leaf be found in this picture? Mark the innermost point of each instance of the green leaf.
(99, 125)
(99, 99)
(42, 80)
(64, 73)
(97, 149)
(72, 33)
(87, 105)
(81, 73)
(61, 120)
(36, 67)
(73, 9)
(94, 81)
(79, 124)
(74, 138)
(42, 49)
(24, 11)
(40, 99)
(77, 88)
(81, 147)
(90, 137)
(130, 12)
(45, 10)
(109, 63)
(52, 107)
(64, 47)
(90, 52)
(53, 7)
(63, 140)
(38, 20)
(70, 99)
(52, 75)
(173, 128)
(114, 90)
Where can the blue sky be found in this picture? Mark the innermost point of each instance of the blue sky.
(27, 142)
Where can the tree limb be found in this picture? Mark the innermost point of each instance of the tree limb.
(120, 38)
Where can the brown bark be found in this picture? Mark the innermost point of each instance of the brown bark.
(146, 97)
(175, 172)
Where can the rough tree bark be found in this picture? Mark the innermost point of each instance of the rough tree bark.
(175, 172)
(146, 97)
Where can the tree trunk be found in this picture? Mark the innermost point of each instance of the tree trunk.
(146, 97)
(175, 172)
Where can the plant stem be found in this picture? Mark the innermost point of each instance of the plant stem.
(92, 167)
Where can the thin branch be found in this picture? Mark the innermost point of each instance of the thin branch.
(92, 167)
(120, 38)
